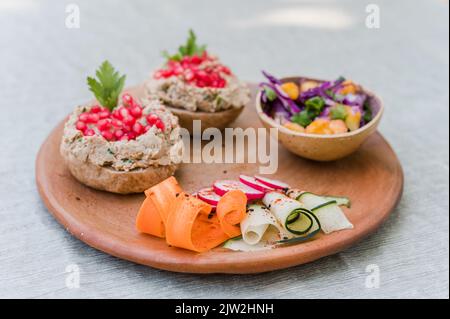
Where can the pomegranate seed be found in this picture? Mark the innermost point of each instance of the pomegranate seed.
(147, 128)
(196, 59)
(107, 135)
(104, 124)
(131, 135)
(223, 69)
(189, 75)
(116, 114)
(118, 134)
(127, 99)
(151, 119)
(116, 123)
(104, 114)
(178, 70)
(202, 74)
(136, 111)
(83, 117)
(93, 118)
(221, 83)
(129, 120)
(126, 128)
(123, 112)
(159, 124)
(81, 126)
(96, 109)
(158, 74)
(138, 128)
(166, 73)
(124, 138)
(172, 64)
(201, 84)
(89, 132)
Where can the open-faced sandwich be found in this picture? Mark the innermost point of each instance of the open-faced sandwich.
(196, 85)
(118, 143)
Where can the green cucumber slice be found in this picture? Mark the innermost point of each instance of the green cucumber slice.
(340, 200)
(331, 217)
(313, 231)
(299, 221)
(312, 200)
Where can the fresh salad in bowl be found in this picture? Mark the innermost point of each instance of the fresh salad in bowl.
(315, 107)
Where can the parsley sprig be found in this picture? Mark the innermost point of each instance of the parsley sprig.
(108, 85)
(313, 107)
(189, 49)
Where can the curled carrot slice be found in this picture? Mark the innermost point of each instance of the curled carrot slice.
(153, 213)
(190, 226)
(149, 220)
(231, 210)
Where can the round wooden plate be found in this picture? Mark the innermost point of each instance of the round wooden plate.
(372, 178)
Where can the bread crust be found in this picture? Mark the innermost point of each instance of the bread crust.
(111, 180)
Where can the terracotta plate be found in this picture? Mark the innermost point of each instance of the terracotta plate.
(372, 178)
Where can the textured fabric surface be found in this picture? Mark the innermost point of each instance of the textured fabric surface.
(43, 68)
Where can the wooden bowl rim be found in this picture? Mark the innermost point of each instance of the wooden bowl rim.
(187, 112)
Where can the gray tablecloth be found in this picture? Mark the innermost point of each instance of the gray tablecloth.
(43, 68)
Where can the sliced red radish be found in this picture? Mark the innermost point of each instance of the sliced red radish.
(253, 183)
(208, 196)
(222, 187)
(271, 182)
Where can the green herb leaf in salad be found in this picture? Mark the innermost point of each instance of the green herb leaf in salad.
(303, 118)
(271, 94)
(338, 112)
(189, 49)
(107, 86)
(315, 105)
(367, 112)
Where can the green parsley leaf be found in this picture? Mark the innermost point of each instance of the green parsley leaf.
(367, 112)
(315, 105)
(303, 118)
(190, 48)
(108, 85)
(338, 112)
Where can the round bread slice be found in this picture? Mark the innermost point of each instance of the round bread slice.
(111, 180)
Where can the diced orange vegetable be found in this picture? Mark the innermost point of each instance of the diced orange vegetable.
(319, 126)
(353, 119)
(294, 127)
(349, 88)
(231, 210)
(153, 213)
(338, 126)
(190, 226)
(291, 89)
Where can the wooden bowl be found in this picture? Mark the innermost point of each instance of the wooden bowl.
(219, 120)
(323, 147)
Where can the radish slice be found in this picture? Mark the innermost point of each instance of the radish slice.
(208, 196)
(222, 187)
(253, 183)
(271, 182)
